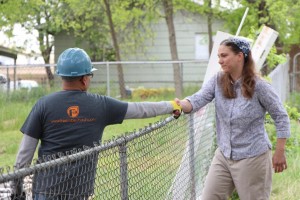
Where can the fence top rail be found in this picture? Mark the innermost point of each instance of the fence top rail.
(111, 62)
(19, 173)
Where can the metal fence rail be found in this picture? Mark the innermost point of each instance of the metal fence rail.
(146, 164)
(147, 74)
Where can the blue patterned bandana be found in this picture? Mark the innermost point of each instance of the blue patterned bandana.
(243, 44)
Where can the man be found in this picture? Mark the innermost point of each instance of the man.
(71, 119)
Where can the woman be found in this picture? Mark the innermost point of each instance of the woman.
(243, 159)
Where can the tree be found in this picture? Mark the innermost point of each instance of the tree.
(116, 27)
(116, 47)
(281, 15)
(39, 15)
(168, 9)
(205, 8)
(86, 21)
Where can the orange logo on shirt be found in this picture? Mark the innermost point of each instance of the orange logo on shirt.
(73, 111)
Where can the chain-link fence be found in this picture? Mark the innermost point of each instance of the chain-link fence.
(147, 74)
(166, 160)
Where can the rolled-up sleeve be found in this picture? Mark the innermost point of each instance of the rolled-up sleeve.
(272, 103)
(205, 95)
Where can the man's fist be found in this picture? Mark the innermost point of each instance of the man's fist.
(176, 109)
(17, 191)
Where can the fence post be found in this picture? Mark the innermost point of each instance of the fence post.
(192, 157)
(123, 170)
(181, 76)
(107, 79)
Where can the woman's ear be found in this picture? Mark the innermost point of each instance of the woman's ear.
(241, 55)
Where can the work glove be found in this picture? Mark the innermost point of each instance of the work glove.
(176, 109)
(17, 191)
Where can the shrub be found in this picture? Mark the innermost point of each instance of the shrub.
(145, 93)
(293, 142)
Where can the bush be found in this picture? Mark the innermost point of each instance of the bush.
(293, 142)
(294, 100)
(146, 93)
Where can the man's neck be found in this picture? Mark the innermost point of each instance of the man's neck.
(73, 86)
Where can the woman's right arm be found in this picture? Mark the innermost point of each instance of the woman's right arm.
(199, 99)
(185, 105)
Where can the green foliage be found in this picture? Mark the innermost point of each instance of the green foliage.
(272, 61)
(293, 112)
(293, 142)
(267, 78)
(294, 100)
(283, 16)
(234, 196)
(89, 23)
(145, 93)
(275, 59)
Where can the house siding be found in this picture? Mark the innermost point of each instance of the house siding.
(187, 25)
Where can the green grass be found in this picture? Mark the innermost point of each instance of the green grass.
(128, 126)
(9, 144)
(286, 185)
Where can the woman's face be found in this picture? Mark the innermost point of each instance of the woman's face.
(229, 60)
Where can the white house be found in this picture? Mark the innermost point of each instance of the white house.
(192, 45)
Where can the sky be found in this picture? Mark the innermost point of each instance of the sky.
(21, 39)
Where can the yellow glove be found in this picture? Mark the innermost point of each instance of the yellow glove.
(176, 109)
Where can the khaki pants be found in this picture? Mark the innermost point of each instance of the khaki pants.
(252, 178)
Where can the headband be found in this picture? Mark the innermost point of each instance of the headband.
(242, 44)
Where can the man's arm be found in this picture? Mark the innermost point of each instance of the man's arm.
(138, 110)
(26, 151)
(24, 158)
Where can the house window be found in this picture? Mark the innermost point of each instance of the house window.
(201, 46)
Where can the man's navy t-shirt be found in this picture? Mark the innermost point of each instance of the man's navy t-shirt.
(71, 119)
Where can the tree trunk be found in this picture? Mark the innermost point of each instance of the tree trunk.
(45, 48)
(117, 50)
(209, 27)
(168, 8)
(46, 51)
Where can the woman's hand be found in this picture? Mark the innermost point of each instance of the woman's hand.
(185, 105)
(279, 159)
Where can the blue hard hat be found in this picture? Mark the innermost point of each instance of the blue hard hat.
(74, 62)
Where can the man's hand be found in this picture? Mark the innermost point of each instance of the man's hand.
(17, 192)
(176, 109)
